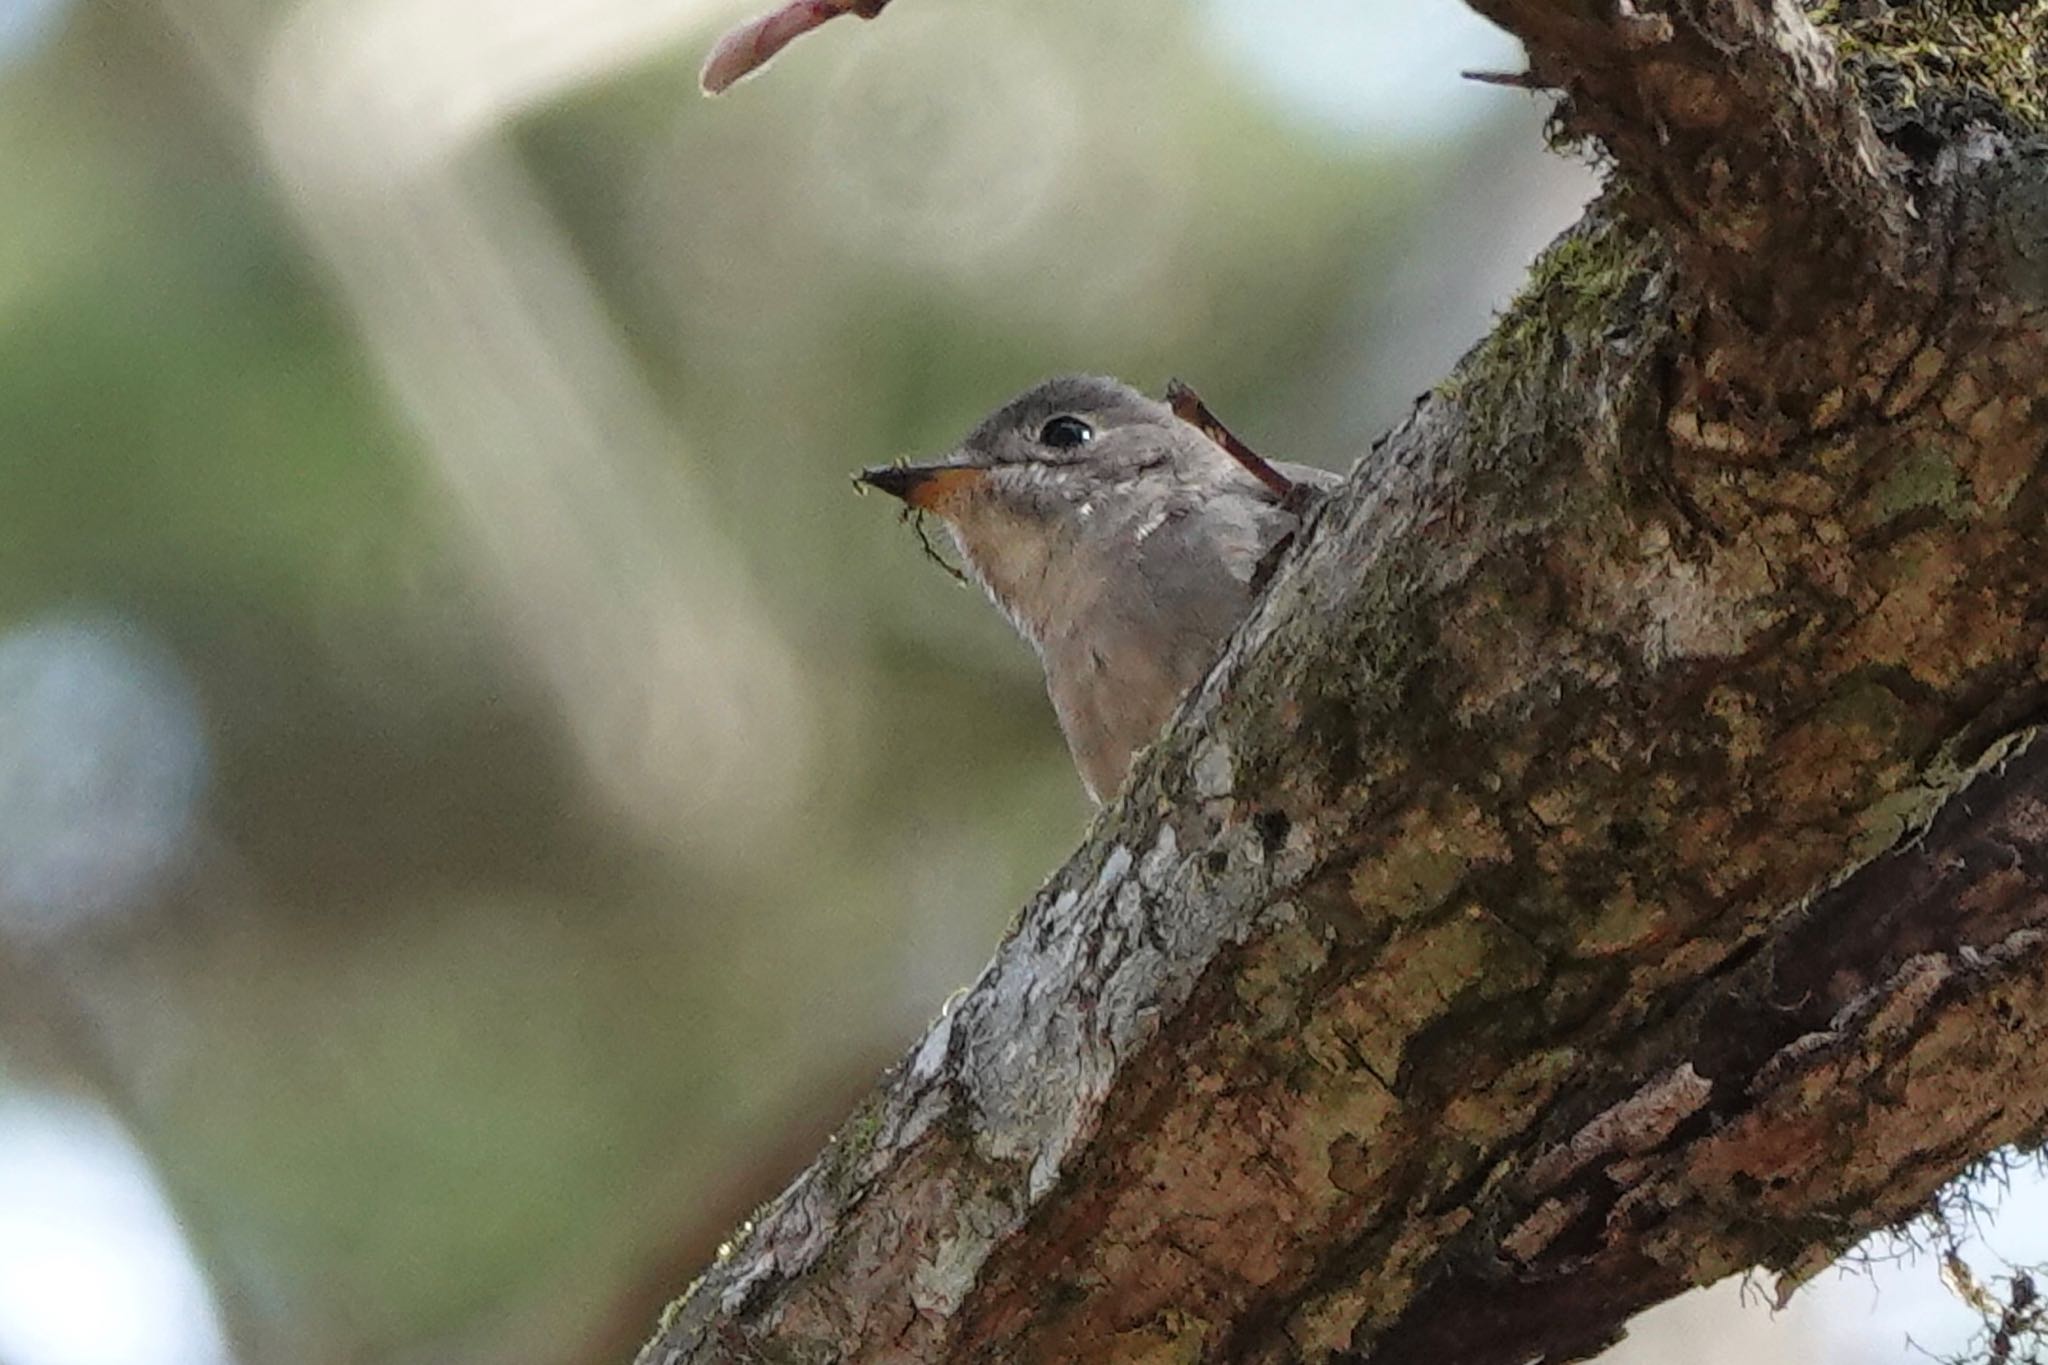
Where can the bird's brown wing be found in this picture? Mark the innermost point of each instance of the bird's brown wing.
(1310, 486)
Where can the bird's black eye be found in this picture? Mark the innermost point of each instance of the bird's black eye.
(1065, 433)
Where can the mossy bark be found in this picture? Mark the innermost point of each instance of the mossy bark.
(1615, 853)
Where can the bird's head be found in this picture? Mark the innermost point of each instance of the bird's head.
(1049, 493)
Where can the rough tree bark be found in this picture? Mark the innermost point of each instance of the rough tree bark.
(1614, 855)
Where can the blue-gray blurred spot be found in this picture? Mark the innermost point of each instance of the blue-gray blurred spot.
(24, 27)
(103, 760)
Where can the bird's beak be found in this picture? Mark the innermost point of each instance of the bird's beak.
(929, 487)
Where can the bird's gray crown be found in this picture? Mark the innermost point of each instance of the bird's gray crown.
(1104, 402)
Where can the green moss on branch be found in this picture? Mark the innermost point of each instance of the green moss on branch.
(1936, 60)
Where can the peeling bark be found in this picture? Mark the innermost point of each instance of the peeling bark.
(1615, 853)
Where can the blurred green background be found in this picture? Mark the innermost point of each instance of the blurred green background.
(479, 796)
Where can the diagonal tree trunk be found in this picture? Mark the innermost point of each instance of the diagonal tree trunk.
(1614, 854)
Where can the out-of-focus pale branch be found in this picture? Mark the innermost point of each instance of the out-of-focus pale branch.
(748, 47)
(383, 121)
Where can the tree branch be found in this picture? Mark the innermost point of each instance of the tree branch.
(1731, 122)
(1612, 855)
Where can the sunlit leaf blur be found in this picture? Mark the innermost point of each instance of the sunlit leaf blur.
(479, 797)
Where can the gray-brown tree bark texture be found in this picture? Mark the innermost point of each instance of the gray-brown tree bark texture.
(1615, 853)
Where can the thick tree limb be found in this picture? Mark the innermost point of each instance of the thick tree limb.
(1733, 124)
(1614, 854)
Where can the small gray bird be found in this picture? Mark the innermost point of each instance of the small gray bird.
(1122, 541)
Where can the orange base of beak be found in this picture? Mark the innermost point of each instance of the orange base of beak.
(929, 488)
